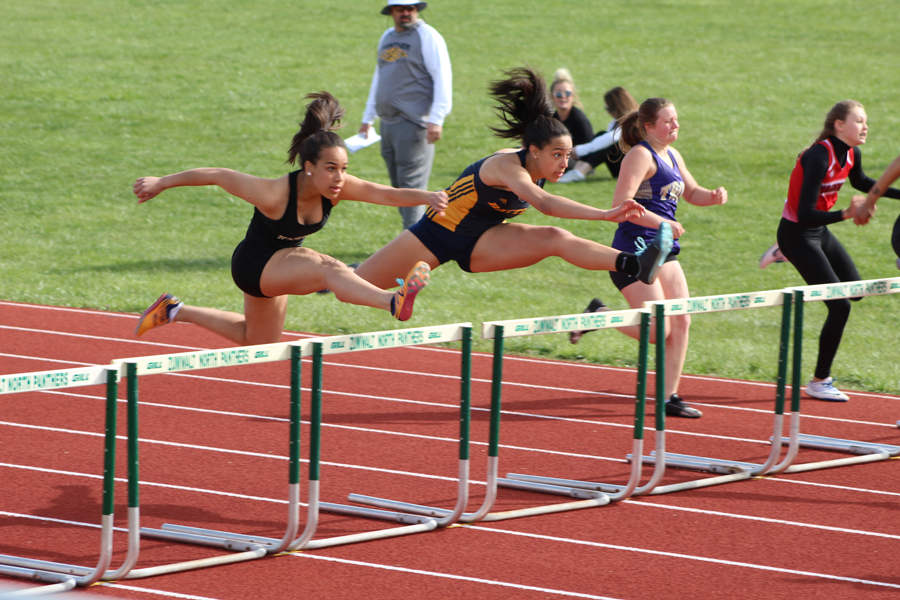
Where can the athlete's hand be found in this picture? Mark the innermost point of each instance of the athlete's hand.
(147, 188)
(438, 202)
(719, 195)
(862, 210)
(677, 229)
(630, 209)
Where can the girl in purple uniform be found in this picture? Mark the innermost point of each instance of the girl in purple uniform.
(653, 173)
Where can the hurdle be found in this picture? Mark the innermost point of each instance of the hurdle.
(865, 452)
(186, 362)
(60, 576)
(397, 510)
(586, 495)
(254, 546)
(729, 470)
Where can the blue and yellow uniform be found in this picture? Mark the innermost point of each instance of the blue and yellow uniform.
(473, 208)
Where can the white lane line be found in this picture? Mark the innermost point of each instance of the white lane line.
(686, 557)
(630, 502)
(517, 586)
(132, 588)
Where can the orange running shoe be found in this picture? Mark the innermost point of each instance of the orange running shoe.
(160, 313)
(416, 280)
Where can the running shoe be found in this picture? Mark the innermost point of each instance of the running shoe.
(825, 390)
(772, 255)
(402, 306)
(571, 176)
(654, 256)
(161, 312)
(675, 407)
(596, 305)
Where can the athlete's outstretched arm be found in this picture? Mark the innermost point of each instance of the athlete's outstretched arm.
(255, 190)
(516, 179)
(366, 191)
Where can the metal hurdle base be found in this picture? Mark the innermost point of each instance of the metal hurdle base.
(701, 463)
(865, 452)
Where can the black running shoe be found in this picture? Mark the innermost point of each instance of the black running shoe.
(596, 305)
(675, 407)
(654, 256)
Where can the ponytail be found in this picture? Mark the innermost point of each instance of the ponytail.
(323, 117)
(523, 104)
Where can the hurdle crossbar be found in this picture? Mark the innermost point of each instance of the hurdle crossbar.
(63, 576)
(866, 451)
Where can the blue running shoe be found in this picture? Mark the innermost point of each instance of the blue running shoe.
(654, 256)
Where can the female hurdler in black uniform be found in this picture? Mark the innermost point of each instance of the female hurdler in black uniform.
(270, 264)
(473, 230)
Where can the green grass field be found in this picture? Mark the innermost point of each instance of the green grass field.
(97, 93)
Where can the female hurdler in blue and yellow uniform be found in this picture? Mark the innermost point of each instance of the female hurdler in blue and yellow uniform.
(474, 230)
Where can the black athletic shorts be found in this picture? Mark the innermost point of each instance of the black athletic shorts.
(247, 264)
(446, 245)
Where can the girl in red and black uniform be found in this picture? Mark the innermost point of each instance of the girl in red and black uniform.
(803, 235)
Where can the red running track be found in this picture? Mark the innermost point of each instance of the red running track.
(214, 448)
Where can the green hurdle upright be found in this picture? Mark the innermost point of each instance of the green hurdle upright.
(399, 511)
(729, 470)
(866, 451)
(62, 576)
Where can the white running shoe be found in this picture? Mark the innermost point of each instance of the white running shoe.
(825, 390)
(772, 255)
(571, 176)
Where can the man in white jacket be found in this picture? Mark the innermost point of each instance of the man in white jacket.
(411, 93)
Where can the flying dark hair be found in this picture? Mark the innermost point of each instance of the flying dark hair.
(323, 116)
(523, 104)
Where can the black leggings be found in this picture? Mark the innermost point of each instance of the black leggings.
(820, 258)
(611, 155)
(895, 237)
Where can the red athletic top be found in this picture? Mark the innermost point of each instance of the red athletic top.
(831, 184)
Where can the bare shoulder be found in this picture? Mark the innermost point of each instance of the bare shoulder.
(500, 168)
